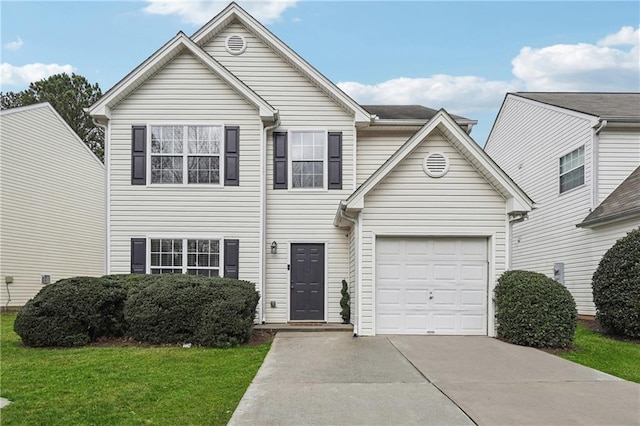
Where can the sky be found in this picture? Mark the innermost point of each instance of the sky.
(463, 56)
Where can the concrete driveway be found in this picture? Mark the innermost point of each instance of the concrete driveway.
(333, 378)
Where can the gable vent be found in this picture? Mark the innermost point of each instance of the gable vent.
(235, 44)
(436, 164)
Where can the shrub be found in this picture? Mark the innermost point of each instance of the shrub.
(128, 281)
(185, 308)
(534, 310)
(616, 287)
(72, 312)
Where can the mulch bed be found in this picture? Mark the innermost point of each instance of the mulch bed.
(257, 338)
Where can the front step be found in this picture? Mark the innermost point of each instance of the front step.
(305, 326)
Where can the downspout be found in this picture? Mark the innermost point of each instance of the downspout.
(107, 225)
(263, 216)
(354, 222)
(595, 147)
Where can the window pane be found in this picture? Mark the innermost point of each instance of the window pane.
(204, 139)
(571, 180)
(307, 174)
(204, 169)
(166, 169)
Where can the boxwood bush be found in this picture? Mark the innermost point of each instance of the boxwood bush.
(534, 310)
(616, 287)
(72, 312)
(184, 308)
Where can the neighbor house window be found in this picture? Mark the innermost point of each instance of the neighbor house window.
(572, 170)
(185, 154)
(185, 256)
(308, 152)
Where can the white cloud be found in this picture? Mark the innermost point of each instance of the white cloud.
(14, 45)
(18, 75)
(201, 11)
(627, 36)
(458, 94)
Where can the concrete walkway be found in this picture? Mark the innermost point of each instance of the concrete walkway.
(334, 379)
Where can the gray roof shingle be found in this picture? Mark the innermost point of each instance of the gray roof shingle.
(602, 105)
(623, 201)
(405, 112)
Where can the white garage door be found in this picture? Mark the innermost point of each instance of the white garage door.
(431, 286)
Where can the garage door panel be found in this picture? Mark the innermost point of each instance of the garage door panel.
(431, 286)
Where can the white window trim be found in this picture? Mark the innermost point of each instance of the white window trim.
(584, 164)
(325, 160)
(184, 239)
(185, 175)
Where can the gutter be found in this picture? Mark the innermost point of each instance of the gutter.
(263, 215)
(356, 225)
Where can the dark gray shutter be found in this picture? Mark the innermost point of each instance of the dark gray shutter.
(335, 160)
(138, 155)
(280, 160)
(231, 258)
(231, 156)
(138, 255)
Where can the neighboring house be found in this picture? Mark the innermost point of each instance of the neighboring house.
(577, 156)
(52, 203)
(228, 154)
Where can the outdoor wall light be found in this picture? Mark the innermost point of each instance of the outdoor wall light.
(274, 247)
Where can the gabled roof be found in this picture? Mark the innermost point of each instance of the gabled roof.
(178, 44)
(233, 12)
(517, 201)
(606, 106)
(405, 112)
(622, 203)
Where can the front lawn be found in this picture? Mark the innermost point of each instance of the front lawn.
(619, 358)
(122, 385)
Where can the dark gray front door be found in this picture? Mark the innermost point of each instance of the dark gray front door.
(307, 282)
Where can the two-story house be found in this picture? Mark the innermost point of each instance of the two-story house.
(577, 155)
(228, 154)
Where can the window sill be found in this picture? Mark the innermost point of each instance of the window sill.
(184, 185)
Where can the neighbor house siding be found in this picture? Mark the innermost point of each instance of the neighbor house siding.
(295, 216)
(409, 203)
(374, 148)
(52, 203)
(618, 156)
(527, 141)
(185, 92)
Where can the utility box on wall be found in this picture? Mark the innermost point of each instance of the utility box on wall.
(558, 272)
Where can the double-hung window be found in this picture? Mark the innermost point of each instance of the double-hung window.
(185, 154)
(185, 256)
(572, 170)
(308, 159)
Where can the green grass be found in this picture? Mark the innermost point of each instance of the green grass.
(621, 359)
(122, 385)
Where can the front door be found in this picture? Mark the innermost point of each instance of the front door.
(307, 282)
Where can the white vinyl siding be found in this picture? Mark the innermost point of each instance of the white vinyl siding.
(52, 204)
(408, 203)
(185, 92)
(618, 156)
(526, 142)
(374, 148)
(301, 215)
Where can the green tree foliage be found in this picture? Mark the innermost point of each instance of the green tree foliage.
(69, 95)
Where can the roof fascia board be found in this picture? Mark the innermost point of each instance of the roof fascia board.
(609, 219)
(356, 200)
(233, 11)
(173, 47)
(593, 119)
(413, 122)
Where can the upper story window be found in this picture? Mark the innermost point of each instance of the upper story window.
(308, 159)
(185, 256)
(188, 154)
(572, 170)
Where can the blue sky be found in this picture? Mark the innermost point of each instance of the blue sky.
(463, 56)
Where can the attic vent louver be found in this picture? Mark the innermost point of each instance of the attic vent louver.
(235, 44)
(436, 164)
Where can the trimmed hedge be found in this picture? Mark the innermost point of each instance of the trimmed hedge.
(534, 310)
(72, 312)
(616, 287)
(185, 308)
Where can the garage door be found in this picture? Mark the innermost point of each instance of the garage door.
(431, 286)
